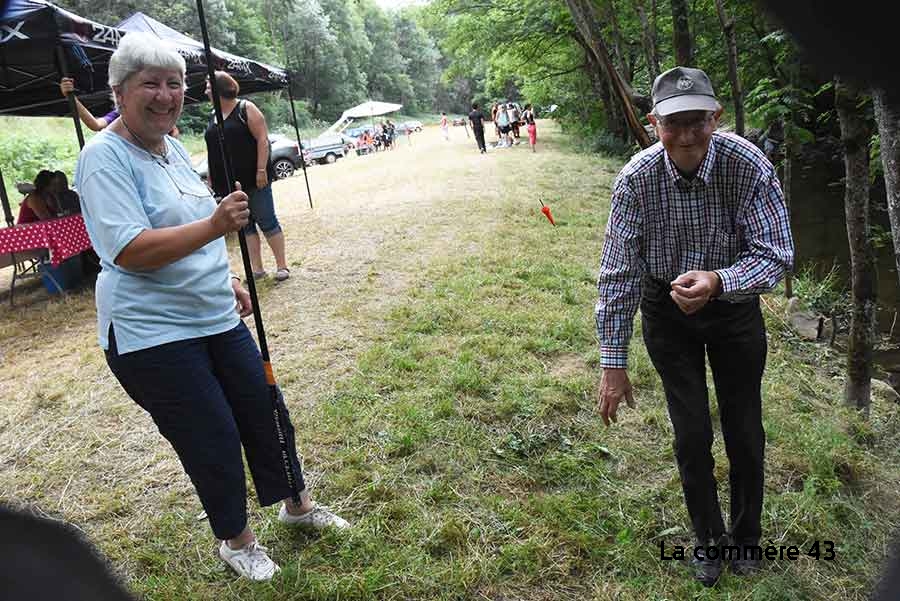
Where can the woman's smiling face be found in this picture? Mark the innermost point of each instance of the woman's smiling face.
(151, 101)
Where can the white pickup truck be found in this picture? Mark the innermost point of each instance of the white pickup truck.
(326, 148)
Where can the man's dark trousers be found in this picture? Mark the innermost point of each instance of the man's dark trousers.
(733, 336)
(479, 137)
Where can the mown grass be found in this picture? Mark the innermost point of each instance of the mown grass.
(469, 456)
(465, 448)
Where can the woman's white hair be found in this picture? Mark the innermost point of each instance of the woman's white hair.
(137, 51)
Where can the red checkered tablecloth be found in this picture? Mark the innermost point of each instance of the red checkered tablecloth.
(64, 237)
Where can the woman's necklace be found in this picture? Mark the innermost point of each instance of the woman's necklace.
(145, 146)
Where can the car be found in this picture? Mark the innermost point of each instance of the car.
(326, 148)
(407, 126)
(355, 132)
(285, 158)
(459, 121)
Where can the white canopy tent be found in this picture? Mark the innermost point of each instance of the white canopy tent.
(372, 108)
(367, 110)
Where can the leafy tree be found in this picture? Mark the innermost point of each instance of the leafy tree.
(313, 55)
(385, 68)
(347, 25)
(421, 57)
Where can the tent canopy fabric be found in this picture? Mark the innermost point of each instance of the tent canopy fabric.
(372, 108)
(253, 76)
(367, 110)
(34, 34)
(31, 32)
(40, 41)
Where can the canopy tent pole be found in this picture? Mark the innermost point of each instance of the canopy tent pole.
(4, 200)
(299, 141)
(248, 269)
(63, 69)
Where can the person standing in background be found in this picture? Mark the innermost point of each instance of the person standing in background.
(247, 140)
(476, 118)
(528, 117)
(445, 128)
(514, 120)
(503, 123)
(494, 110)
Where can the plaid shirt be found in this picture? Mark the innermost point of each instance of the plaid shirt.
(731, 219)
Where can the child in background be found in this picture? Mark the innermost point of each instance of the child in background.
(445, 129)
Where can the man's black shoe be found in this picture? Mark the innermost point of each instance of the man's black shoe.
(707, 569)
(746, 563)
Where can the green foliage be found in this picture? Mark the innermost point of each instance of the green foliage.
(823, 293)
(24, 151)
(876, 167)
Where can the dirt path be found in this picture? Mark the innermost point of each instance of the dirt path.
(72, 443)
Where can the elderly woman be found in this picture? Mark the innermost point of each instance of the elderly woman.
(247, 141)
(169, 312)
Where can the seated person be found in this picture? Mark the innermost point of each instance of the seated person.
(39, 203)
(365, 143)
(66, 198)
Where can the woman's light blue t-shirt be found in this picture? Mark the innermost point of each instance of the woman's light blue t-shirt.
(125, 190)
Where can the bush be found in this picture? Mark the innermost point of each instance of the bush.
(22, 156)
(826, 294)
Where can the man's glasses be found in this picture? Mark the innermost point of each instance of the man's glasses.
(682, 124)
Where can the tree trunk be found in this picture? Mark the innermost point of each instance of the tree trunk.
(584, 13)
(788, 182)
(648, 40)
(855, 138)
(887, 115)
(618, 45)
(615, 122)
(681, 33)
(731, 43)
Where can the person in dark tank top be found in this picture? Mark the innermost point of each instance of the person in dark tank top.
(247, 143)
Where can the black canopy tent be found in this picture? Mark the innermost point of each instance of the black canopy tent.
(253, 76)
(40, 43)
(32, 31)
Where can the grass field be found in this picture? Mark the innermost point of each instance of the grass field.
(436, 348)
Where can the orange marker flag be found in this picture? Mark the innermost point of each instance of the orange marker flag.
(546, 211)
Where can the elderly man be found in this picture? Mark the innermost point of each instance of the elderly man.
(698, 228)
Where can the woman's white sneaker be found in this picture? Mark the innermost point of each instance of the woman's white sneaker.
(317, 518)
(250, 561)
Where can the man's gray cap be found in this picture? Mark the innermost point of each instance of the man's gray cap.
(683, 89)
